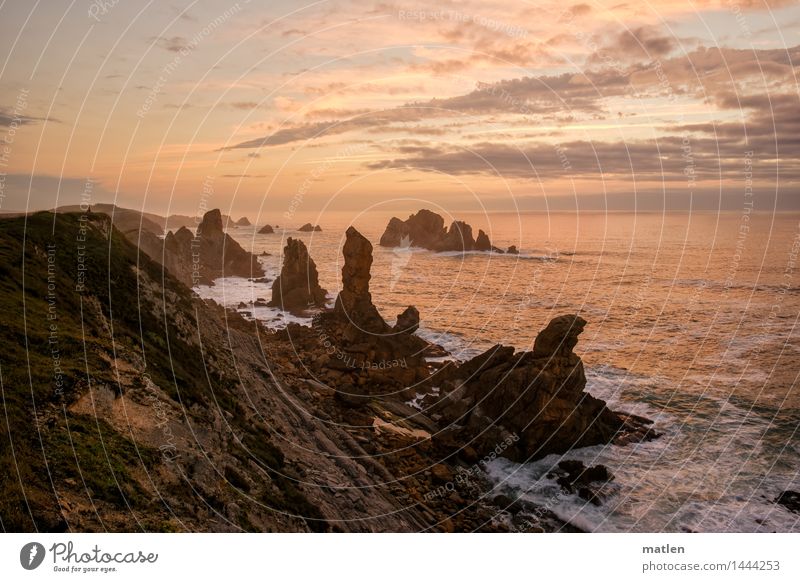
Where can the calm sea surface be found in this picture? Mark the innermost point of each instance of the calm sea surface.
(692, 322)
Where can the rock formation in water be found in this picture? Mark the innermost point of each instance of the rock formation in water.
(367, 356)
(308, 227)
(266, 229)
(512, 250)
(243, 222)
(537, 399)
(482, 243)
(297, 287)
(426, 229)
(201, 258)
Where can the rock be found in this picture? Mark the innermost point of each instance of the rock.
(458, 238)
(266, 229)
(377, 357)
(560, 336)
(482, 243)
(512, 250)
(790, 500)
(527, 405)
(423, 229)
(408, 321)
(202, 257)
(308, 227)
(355, 301)
(426, 229)
(441, 474)
(243, 222)
(297, 287)
(574, 476)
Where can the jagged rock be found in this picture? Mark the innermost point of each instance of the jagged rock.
(243, 222)
(297, 287)
(573, 476)
(354, 302)
(423, 229)
(364, 350)
(426, 229)
(201, 258)
(482, 243)
(533, 401)
(560, 336)
(408, 321)
(266, 229)
(308, 227)
(458, 238)
(512, 250)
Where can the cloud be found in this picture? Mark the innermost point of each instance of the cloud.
(174, 44)
(9, 118)
(673, 158)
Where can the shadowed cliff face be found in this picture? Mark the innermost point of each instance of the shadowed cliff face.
(202, 257)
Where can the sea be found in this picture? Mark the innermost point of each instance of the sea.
(692, 322)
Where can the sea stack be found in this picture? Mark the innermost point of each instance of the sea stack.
(354, 302)
(426, 229)
(308, 227)
(297, 287)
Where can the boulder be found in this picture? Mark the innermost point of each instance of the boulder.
(297, 287)
(243, 222)
(266, 229)
(512, 250)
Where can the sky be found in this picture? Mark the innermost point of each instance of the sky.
(267, 108)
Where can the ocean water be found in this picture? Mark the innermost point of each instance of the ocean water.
(692, 322)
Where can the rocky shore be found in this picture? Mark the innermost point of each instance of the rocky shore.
(342, 426)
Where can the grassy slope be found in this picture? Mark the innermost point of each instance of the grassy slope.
(40, 441)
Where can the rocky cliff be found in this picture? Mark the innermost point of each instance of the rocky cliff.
(138, 407)
(201, 257)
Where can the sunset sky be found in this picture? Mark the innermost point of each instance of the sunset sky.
(344, 105)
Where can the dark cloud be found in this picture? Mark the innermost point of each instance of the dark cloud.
(174, 44)
(674, 159)
(9, 118)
